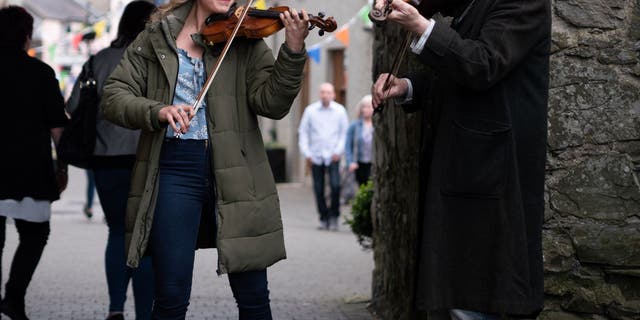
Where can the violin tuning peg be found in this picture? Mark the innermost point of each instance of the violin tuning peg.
(321, 32)
(321, 14)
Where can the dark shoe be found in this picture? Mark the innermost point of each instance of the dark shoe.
(88, 212)
(118, 316)
(13, 310)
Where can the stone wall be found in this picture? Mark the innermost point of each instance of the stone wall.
(592, 220)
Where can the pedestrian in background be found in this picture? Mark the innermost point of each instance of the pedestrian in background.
(196, 168)
(322, 135)
(33, 110)
(112, 164)
(359, 147)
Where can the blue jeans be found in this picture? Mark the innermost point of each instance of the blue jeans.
(319, 172)
(185, 192)
(458, 314)
(91, 188)
(113, 188)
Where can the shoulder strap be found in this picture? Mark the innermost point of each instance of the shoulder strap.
(90, 67)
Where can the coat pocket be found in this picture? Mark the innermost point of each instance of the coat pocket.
(477, 163)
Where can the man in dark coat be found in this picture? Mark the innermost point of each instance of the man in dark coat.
(483, 154)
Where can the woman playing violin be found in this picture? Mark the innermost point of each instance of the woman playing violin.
(202, 179)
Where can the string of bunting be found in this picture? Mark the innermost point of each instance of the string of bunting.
(342, 34)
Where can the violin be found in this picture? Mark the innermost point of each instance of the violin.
(379, 15)
(257, 24)
(250, 23)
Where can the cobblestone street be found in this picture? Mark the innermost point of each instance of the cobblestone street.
(326, 276)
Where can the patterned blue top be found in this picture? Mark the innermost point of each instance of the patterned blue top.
(191, 78)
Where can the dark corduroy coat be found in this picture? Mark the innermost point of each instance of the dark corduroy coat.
(483, 158)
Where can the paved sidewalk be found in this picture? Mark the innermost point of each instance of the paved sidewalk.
(323, 272)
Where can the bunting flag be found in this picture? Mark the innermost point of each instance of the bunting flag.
(364, 14)
(343, 36)
(261, 4)
(314, 53)
(99, 27)
(77, 38)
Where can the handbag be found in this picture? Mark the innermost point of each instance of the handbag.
(78, 139)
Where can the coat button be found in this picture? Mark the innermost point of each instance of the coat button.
(162, 56)
(139, 48)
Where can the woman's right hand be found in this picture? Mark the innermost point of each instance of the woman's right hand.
(353, 167)
(177, 115)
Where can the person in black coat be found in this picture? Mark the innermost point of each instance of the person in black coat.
(33, 114)
(483, 155)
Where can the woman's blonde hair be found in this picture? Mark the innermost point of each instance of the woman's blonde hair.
(164, 9)
(363, 102)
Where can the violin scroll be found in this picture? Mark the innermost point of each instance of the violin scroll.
(379, 15)
(325, 25)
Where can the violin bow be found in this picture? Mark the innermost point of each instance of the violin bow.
(379, 17)
(216, 67)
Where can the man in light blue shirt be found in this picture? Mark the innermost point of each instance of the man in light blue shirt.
(322, 135)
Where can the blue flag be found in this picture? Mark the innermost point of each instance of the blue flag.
(314, 53)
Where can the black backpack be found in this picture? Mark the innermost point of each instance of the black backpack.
(78, 140)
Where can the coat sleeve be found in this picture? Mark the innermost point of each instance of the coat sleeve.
(509, 31)
(348, 148)
(420, 92)
(52, 101)
(303, 134)
(272, 87)
(124, 100)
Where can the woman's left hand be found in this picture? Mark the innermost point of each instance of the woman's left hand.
(296, 29)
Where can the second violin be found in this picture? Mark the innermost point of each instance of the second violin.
(258, 24)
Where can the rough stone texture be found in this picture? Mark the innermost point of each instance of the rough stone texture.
(592, 220)
(592, 236)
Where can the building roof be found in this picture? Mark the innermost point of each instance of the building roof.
(64, 10)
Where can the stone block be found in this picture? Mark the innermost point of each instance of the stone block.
(558, 315)
(618, 56)
(587, 13)
(567, 72)
(602, 188)
(607, 245)
(595, 111)
(583, 301)
(558, 253)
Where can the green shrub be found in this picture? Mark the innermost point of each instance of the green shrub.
(360, 220)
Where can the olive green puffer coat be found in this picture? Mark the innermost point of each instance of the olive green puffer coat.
(249, 84)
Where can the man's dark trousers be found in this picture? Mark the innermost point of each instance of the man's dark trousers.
(319, 172)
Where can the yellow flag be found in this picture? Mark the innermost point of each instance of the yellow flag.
(99, 27)
(261, 4)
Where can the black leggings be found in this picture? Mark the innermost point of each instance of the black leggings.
(33, 238)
